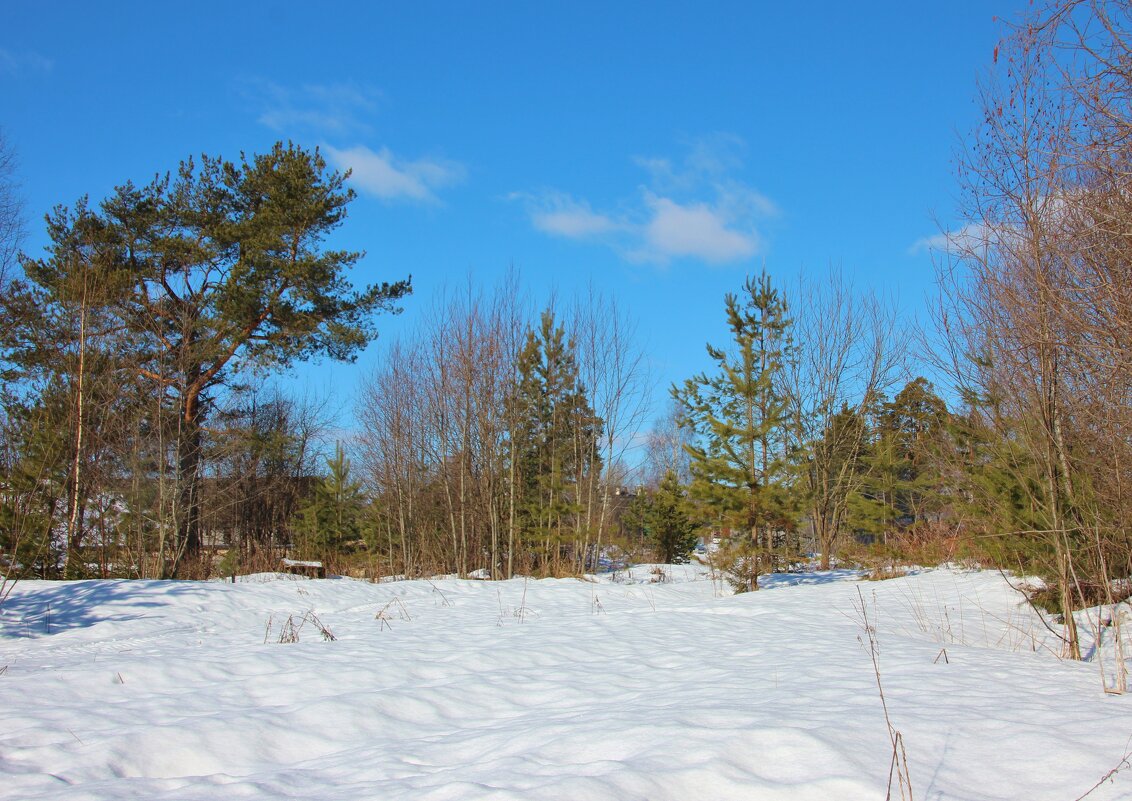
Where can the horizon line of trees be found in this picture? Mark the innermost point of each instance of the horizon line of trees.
(494, 440)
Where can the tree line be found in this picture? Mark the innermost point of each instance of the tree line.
(494, 438)
(138, 432)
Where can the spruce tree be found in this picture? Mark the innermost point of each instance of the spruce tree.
(911, 438)
(553, 445)
(330, 522)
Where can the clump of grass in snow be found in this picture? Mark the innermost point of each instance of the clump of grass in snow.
(385, 614)
(289, 632)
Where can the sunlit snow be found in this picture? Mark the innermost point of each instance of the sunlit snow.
(549, 689)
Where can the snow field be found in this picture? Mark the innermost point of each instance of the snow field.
(550, 689)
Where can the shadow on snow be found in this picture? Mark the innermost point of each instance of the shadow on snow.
(50, 608)
(771, 581)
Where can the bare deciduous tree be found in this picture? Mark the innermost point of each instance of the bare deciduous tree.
(846, 356)
(613, 369)
(481, 441)
(11, 210)
(1037, 290)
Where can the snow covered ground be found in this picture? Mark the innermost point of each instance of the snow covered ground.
(552, 689)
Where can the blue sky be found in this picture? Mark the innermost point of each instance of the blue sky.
(658, 151)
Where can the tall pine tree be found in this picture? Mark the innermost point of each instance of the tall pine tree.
(218, 268)
(738, 416)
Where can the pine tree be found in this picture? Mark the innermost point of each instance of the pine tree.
(218, 269)
(331, 521)
(738, 416)
(662, 515)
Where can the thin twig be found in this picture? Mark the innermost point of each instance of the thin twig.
(443, 598)
(1121, 765)
(899, 763)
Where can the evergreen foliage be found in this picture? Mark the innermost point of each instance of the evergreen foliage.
(913, 430)
(738, 416)
(331, 520)
(32, 494)
(554, 442)
(664, 518)
(203, 275)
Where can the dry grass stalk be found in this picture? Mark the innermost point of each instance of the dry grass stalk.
(385, 615)
(289, 632)
(1123, 764)
(443, 598)
(324, 630)
(522, 611)
(898, 766)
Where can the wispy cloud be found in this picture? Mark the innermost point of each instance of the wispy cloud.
(23, 62)
(962, 240)
(706, 158)
(559, 214)
(321, 109)
(343, 114)
(384, 175)
(694, 208)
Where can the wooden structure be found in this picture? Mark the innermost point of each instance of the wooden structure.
(301, 568)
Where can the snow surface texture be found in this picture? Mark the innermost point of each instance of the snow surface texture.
(552, 689)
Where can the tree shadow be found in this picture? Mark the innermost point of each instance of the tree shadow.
(51, 608)
(774, 581)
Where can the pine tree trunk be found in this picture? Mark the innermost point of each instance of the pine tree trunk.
(188, 480)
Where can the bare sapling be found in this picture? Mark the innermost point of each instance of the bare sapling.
(849, 357)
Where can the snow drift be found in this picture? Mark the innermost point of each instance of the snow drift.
(550, 689)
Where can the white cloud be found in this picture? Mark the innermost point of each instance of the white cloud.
(14, 62)
(560, 215)
(384, 175)
(692, 209)
(696, 231)
(573, 223)
(338, 112)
